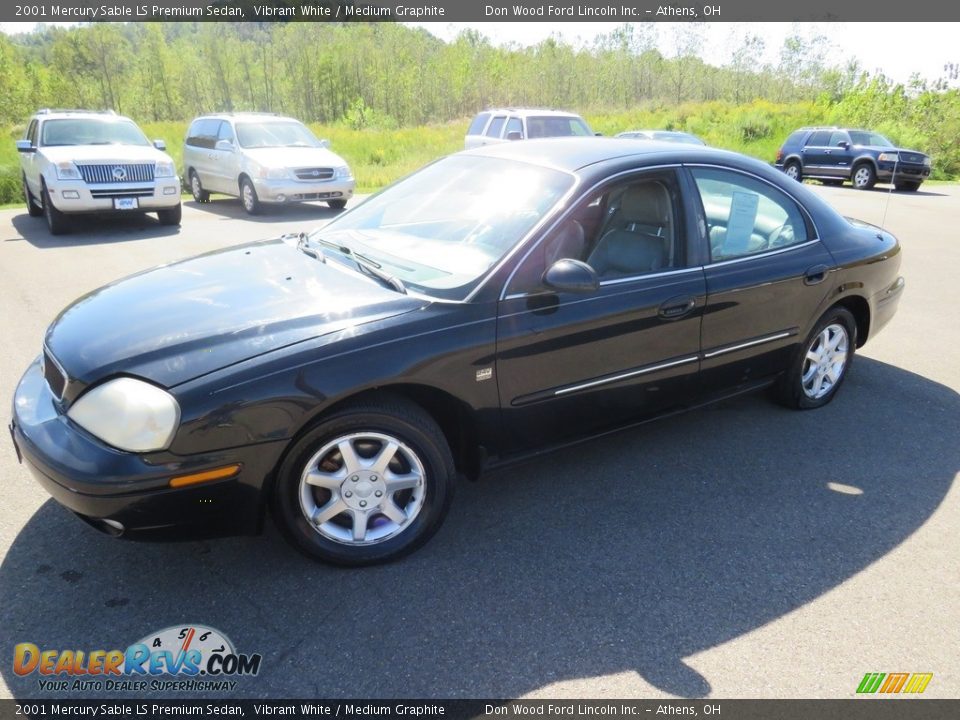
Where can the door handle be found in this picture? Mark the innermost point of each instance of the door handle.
(677, 307)
(816, 274)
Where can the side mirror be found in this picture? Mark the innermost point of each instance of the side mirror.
(514, 135)
(574, 276)
(24, 146)
(224, 145)
(843, 144)
(159, 144)
(324, 143)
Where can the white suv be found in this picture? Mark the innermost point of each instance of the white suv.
(496, 126)
(263, 158)
(77, 161)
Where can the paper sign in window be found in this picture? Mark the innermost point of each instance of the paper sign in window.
(743, 218)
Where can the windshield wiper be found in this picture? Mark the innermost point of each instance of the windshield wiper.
(303, 245)
(368, 266)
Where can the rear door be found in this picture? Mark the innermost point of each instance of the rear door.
(574, 364)
(766, 276)
(840, 156)
(816, 153)
(494, 130)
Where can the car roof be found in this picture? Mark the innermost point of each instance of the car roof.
(572, 154)
(531, 111)
(262, 116)
(48, 114)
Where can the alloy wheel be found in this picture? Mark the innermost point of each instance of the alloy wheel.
(825, 361)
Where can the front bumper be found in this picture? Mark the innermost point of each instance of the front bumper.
(905, 172)
(132, 491)
(284, 191)
(75, 196)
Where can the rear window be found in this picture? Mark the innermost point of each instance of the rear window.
(796, 138)
(479, 122)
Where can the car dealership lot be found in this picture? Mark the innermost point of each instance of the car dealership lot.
(738, 551)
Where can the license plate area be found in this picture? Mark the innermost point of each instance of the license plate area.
(125, 203)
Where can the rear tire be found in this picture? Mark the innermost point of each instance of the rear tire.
(369, 484)
(57, 222)
(196, 189)
(793, 170)
(822, 362)
(171, 216)
(32, 207)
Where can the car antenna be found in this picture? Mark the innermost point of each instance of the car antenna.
(886, 206)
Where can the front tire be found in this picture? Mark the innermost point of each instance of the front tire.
(170, 216)
(337, 204)
(369, 484)
(32, 207)
(822, 363)
(57, 222)
(864, 176)
(249, 198)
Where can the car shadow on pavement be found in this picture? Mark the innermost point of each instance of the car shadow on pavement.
(91, 230)
(628, 554)
(231, 208)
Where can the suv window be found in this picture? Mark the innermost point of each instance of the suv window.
(863, 137)
(746, 216)
(225, 132)
(819, 138)
(795, 138)
(203, 133)
(496, 125)
(32, 133)
(514, 125)
(91, 131)
(838, 137)
(479, 122)
(550, 126)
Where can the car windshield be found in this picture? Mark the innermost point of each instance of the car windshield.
(91, 131)
(556, 126)
(862, 137)
(288, 133)
(440, 229)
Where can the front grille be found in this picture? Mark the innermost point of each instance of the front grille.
(54, 376)
(116, 173)
(911, 157)
(314, 173)
(122, 193)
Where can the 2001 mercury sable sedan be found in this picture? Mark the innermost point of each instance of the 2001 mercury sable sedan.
(498, 302)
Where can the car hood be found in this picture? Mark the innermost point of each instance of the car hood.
(104, 154)
(295, 157)
(179, 321)
(884, 148)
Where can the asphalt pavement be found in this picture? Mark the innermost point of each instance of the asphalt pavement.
(738, 551)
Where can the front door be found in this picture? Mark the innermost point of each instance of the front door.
(572, 364)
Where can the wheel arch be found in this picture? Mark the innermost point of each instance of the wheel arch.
(860, 309)
(451, 414)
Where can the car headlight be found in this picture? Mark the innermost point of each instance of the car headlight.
(277, 173)
(888, 157)
(164, 169)
(128, 414)
(68, 171)
(926, 162)
(343, 173)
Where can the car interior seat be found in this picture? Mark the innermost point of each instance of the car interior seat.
(640, 235)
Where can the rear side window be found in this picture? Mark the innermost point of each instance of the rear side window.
(514, 125)
(795, 138)
(203, 133)
(746, 216)
(552, 126)
(819, 138)
(496, 125)
(478, 124)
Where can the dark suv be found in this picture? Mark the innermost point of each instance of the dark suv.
(863, 157)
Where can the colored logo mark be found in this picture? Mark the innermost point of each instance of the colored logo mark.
(892, 683)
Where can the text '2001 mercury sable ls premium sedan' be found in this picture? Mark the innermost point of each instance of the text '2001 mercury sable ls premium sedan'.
(499, 302)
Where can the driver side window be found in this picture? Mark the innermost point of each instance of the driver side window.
(746, 216)
(626, 230)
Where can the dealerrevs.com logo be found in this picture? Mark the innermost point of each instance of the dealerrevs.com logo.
(181, 657)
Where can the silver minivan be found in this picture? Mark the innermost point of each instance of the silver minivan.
(263, 158)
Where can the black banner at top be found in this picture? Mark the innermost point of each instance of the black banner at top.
(478, 11)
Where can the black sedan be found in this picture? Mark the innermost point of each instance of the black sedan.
(498, 303)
